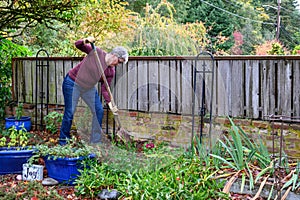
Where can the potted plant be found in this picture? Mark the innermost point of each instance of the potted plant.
(19, 120)
(63, 163)
(14, 150)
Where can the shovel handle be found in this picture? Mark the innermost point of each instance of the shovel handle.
(93, 46)
(105, 81)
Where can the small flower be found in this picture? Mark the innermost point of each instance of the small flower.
(150, 145)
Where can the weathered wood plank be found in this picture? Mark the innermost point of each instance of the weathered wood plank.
(223, 93)
(284, 88)
(210, 92)
(132, 85)
(296, 88)
(198, 87)
(120, 88)
(153, 86)
(254, 90)
(164, 86)
(174, 95)
(52, 82)
(268, 96)
(237, 97)
(187, 87)
(142, 86)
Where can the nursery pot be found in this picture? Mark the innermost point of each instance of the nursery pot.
(13, 158)
(65, 170)
(12, 121)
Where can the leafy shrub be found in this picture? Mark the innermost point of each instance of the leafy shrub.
(8, 50)
(296, 50)
(271, 47)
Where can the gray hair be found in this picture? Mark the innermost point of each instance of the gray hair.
(120, 52)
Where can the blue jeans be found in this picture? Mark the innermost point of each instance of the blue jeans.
(72, 91)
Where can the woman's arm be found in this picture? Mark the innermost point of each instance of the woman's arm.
(82, 46)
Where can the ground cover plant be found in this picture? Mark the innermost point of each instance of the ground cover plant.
(179, 177)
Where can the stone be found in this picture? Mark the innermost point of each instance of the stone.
(49, 182)
(112, 195)
(19, 177)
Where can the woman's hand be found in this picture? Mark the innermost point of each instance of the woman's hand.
(89, 39)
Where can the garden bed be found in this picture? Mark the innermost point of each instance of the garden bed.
(167, 170)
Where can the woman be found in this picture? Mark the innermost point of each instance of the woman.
(80, 82)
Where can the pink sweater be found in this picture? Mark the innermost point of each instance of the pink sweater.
(87, 74)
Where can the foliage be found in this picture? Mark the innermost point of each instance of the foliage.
(296, 50)
(238, 42)
(16, 138)
(158, 34)
(72, 149)
(294, 182)
(272, 47)
(8, 50)
(53, 120)
(181, 7)
(19, 111)
(183, 179)
(105, 20)
(277, 49)
(17, 16)
(240, 152)
(219, 25)
(54, 41)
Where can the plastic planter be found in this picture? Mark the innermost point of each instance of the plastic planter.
(12, 121)
(13, 158)
(65, 170)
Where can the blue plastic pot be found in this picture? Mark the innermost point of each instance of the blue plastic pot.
(12, 121)
(65, 170)
(13, 158)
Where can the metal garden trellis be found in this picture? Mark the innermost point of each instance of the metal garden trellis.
(203, 104)
(41, 63)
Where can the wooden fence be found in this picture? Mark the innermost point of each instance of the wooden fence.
(243, 86)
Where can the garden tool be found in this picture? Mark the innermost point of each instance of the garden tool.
(121, 133)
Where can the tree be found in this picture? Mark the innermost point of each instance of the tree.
(18, 15)
(289, 21)
(181, 7)
(107, 20)
(159, 34)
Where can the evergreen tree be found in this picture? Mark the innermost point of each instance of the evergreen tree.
(216, 20)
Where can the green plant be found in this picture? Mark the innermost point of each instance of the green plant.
(159, 34)
(240, 151)
(72, 149)
(53, 120)
(296, 50)
(19, 111)
(277, 49)
(184, 178)
(294, 182)
(8, 50)
(16, 138)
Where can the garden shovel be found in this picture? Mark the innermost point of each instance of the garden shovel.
(121, 133)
